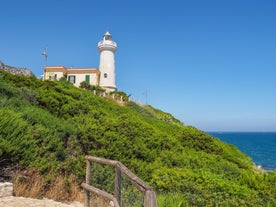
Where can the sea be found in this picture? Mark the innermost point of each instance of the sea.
(260, 146)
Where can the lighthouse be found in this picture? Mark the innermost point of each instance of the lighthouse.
(107, 47)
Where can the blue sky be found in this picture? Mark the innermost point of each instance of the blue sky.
(212, 64)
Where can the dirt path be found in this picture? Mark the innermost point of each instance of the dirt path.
(12, 201)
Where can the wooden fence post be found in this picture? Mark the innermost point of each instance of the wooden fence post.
(117, 190)
(88, 182)
(150, 199)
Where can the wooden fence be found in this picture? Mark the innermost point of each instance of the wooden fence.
(148, 192)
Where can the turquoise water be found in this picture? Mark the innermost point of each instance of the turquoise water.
(260, 146)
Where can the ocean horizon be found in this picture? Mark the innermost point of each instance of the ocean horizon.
(260, 146)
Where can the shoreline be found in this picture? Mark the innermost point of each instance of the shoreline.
(265, 169)
(259, 146)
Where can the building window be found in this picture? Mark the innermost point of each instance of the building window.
(72, 78)
(87, 78)
(105, 75)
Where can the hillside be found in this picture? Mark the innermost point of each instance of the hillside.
(49, 127)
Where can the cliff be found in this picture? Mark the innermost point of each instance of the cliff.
(15, 70)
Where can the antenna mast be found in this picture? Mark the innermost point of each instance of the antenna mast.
(45, 54)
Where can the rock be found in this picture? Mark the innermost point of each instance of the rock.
(111, 204)
(15, 70)
(6, 189)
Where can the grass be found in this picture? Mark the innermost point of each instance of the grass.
(31, 184)
(171, 200)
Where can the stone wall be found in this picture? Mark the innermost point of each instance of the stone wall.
(6, 189)
(14, 70)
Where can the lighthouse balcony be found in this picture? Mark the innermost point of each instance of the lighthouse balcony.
(107, 45)
(107, 42)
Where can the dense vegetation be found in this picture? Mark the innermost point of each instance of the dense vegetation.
(51, 125)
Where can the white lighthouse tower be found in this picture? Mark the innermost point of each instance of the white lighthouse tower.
(107, 47)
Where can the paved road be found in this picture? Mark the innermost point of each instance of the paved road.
(11, 201)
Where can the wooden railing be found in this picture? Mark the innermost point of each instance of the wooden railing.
(148, 192)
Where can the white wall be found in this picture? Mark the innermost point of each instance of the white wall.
(81, 77)
(107, 66)
(52, 74)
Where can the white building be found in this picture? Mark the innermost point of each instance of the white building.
(104, 76)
